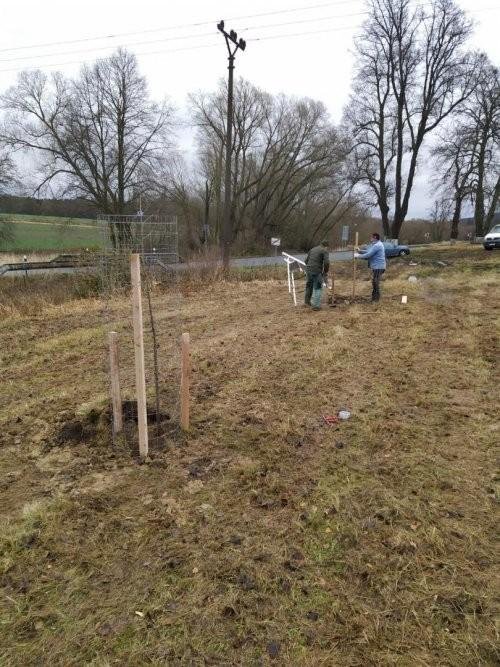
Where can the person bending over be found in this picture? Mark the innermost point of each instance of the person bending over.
(317, 266)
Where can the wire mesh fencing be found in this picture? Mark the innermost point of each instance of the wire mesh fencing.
(155, 240)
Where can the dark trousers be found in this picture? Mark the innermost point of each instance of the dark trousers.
(313, 281)
(376, 275)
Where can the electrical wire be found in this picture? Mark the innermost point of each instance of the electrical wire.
(203, 23)
(108, 46)
(249, 39)
(177, 27)
(180, 37)
(144, 53)
(301, 34)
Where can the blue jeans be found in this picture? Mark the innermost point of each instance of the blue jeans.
(314, 287)
(376, 275)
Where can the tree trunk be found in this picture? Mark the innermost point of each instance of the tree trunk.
(479, 198)
(493, 206)
(457, 211)
(206, 218)
(384, 211)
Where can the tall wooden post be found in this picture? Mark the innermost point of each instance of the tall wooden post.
(356, 242)
(185, 380)
(114, 371)
(140, 378)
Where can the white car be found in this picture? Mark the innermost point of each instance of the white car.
(492, 238)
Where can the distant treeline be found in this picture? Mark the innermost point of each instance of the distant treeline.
(65, 208)
(415, 230)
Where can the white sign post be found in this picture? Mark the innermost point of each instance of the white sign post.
(345, 234)
(276, 242)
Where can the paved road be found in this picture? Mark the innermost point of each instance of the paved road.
(337, 256)
(45, 272)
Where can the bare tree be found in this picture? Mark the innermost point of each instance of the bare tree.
(8, 174)
(290, 173)
(467, 152)
(454, 167)
(416, 69)
(8, 185)
(483, 116)
(97, 136)
(492, 209)
(370, 115)
(440, 216)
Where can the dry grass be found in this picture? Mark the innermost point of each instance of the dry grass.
(262, 537)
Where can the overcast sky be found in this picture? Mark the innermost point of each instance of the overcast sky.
(180, 50)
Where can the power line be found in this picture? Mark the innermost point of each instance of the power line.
(177, 27)
(108, 46)
(214, 44)
(199, 24)
(180, 37)
(300, 34)
(144, 53)
(304, 21)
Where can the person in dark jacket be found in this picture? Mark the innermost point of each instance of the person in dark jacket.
(317, 266)
(375, 254)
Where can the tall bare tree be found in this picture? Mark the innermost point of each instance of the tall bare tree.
(8, 173)
(8, 182)
(468, 151)
(97, 136)
(454, 166)
(412, 63)
(483, 115)
(290, 173)
(370, 115)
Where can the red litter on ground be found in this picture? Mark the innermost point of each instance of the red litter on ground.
(330, 419)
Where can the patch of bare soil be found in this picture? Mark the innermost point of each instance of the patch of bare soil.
(265, 535)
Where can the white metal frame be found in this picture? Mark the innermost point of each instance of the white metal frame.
(290, 259)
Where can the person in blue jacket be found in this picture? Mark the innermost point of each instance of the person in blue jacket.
(375, 254)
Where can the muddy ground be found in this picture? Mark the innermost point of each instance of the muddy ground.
(264, 536)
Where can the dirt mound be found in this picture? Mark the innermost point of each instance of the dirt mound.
(94, 429)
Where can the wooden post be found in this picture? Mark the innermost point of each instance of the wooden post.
(114, 370)
(185, 378)
(140, 378)
(356, 242)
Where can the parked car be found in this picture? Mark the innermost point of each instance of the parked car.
(492, 238)
(396, 249)
(393, 249)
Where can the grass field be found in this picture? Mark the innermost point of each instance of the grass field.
(33, 233)
(264, 536)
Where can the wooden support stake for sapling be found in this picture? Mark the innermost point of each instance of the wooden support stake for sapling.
(140, 378)
(185, 380)
(332, 289)
(155, 358)
(114, 371)
(356, 242)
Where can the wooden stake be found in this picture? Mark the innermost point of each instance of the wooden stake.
(185, 379)
(114, 370)
(356, 242)
(140, 378)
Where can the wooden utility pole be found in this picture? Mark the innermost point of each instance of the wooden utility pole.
(185, 380)
(354, 250)
(114, 371)
(140, 378)
(233, 44)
